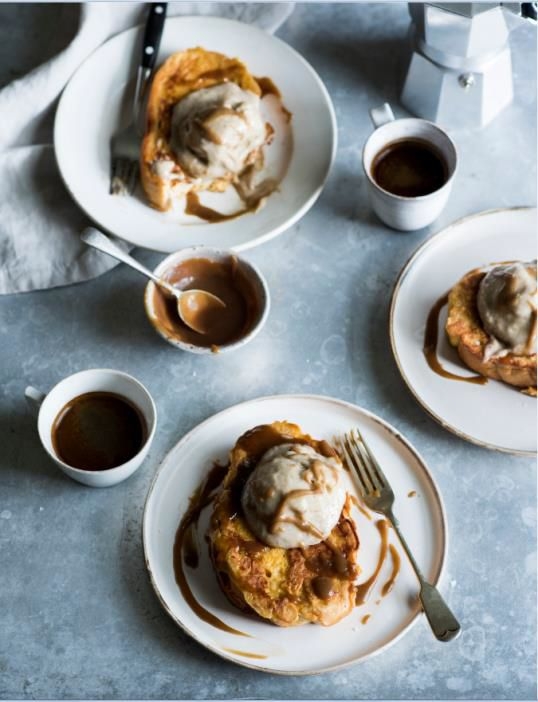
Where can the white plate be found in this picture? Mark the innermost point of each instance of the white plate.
(90, 111)
(311, 648)
(494, 415)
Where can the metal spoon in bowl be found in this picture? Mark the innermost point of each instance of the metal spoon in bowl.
(193, 306)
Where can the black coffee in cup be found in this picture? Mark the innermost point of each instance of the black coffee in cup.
(410, 167)
(98, 430)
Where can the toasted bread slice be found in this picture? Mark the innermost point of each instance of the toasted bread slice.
(465, 332)
(180, 74)
(275, 583)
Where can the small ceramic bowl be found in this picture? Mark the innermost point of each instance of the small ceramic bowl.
(249, 270)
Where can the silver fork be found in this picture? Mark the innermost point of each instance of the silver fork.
(377, 494)
(125, 144)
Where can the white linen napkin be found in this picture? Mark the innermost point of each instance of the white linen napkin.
(39, 223)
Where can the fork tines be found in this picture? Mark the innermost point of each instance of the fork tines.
(124, 174)
(361, 459)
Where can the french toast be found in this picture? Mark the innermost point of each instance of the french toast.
(285, 586)
(466, 333)
(163, 178)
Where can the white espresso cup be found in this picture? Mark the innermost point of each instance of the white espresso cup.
(95, 380)
(400, 212)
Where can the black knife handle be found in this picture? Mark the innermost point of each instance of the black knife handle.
(153, 34)
(528, 10)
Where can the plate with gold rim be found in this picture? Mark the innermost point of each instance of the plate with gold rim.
(302, 650)
(95, 103)
(495, 415)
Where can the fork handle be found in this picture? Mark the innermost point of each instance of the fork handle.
(442, 621)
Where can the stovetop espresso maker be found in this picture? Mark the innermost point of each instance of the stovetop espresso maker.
(460, 72)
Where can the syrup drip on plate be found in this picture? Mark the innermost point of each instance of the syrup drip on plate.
(396, 561)
(430, 347)
(245, 654)
(186, 548)
(196, 208)
(363, 589)
(361, 509)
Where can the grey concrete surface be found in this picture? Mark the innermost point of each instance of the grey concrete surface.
(78, 618)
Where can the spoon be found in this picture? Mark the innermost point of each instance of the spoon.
(194, 307)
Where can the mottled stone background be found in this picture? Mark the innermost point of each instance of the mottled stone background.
(78, 617)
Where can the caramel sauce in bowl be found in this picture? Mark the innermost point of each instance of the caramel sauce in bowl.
(236, 281)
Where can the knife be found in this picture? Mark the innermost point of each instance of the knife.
(150, 50)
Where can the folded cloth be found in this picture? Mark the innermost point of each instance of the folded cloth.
(39, 223)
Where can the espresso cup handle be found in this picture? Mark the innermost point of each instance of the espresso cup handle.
(34, 397)
(381, 115)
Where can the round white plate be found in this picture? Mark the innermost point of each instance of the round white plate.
(91, 109)
(311, 648)
(494, 415)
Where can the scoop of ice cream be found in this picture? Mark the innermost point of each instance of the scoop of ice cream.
(294, 496)
(215, 130)
(507, 300)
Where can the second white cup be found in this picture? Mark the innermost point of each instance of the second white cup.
(400, 212)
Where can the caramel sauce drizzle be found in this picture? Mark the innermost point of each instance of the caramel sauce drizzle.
(363, 589)
(532, 331)
(396, 561)
(191, 553)
(327, 450)
(508, 294)
(287, 114)
(361, 509)
(185, 547)
(430, 346)
(315, 478)
(245, 654)
(194, 207)
(534, 317)
(205, 122)
(284, 503)
(301, 524)
(267, 87)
